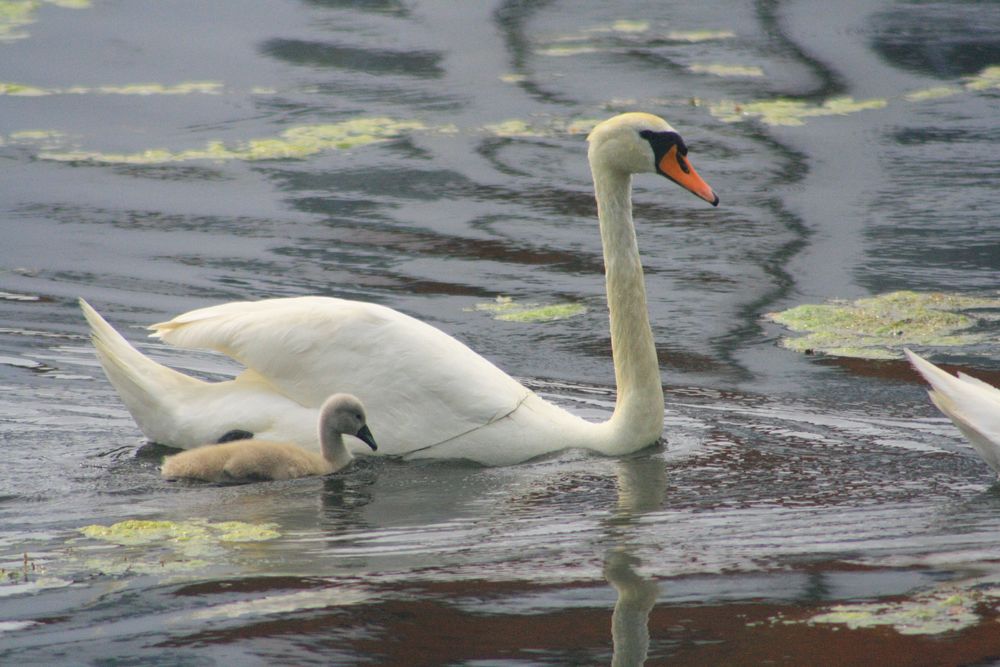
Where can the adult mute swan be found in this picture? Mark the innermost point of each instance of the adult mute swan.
(258, 460)
(429, 395)
(971, 404)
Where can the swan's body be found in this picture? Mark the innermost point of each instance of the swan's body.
(255, 460)
(429, 394)
(971, 404)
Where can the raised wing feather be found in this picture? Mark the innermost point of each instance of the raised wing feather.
(971, 404)
(420, 386)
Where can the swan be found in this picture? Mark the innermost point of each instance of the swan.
(430, 396)
(971, 404)
(247, 460)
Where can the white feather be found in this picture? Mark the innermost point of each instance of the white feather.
(426, 393)
(971, 404)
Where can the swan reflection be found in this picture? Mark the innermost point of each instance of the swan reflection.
(642, 486)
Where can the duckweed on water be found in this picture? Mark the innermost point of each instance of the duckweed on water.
(625, 25)
(933, 93)
(700, 35)
(988, 78)
(791, 112)
(550, 128)
(619, 33)
(879, 327)
(15, 14)
(723, 70)
(143, 89)
(294, 143)
(161, 547)
(142, 532)
(506, 309)
(927, 614)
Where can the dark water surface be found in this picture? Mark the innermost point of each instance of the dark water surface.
(786, 484)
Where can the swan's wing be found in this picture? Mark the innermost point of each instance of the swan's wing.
(420, 386)
(971, 404)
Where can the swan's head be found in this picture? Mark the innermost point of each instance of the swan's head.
(343, 413)
(639, 143)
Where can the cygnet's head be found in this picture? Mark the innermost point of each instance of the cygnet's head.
(639, 143)
(343, 413)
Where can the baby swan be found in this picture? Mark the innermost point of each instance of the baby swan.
(259, 460)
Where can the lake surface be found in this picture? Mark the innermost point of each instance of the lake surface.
(430, 156)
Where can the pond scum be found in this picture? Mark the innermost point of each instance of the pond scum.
(504, 308)
(879, 327)
(307, 140)
(15, 15)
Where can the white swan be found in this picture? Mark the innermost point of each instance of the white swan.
(256, 460)
(971, 404)
(429, 395)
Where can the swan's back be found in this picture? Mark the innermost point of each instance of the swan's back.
(420, 386)
(246, 460)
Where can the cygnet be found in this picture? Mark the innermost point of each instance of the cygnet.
(259, 460)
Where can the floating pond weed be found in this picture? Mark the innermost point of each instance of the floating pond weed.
(16, 14)
(783, 111)
(930, 613)
(725, 70)
(170, 546)
(504, 308)
(879, 327)
(294, 143)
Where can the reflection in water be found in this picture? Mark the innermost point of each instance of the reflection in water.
(630, 619)
(641, 485)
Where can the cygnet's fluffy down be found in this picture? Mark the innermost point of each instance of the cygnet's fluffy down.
(255, 460)
(246, 460)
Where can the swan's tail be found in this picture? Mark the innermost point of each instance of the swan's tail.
(152, 392)
(971, 404)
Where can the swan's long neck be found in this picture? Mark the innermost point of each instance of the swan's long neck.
(334, 450)
(638, 416)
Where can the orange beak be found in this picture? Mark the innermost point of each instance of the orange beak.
(677, 168)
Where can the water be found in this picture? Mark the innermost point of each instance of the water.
(785, 484)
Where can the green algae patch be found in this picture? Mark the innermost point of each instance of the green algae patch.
(694, 36)
(512, 128)
(169, 547)
(879, 327)
(13, 89)
(142, 532)
(928, 614)
(22, 90)
(517, 128)
(724, 70)
(988, 78)
(36, 137)
(294, 143)
(626, 25)
(16, 14)
(506, 309)
(569, 50)
(790, 112)
(933, 93)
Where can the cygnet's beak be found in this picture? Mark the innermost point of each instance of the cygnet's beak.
(366, 437)
(678, 169)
